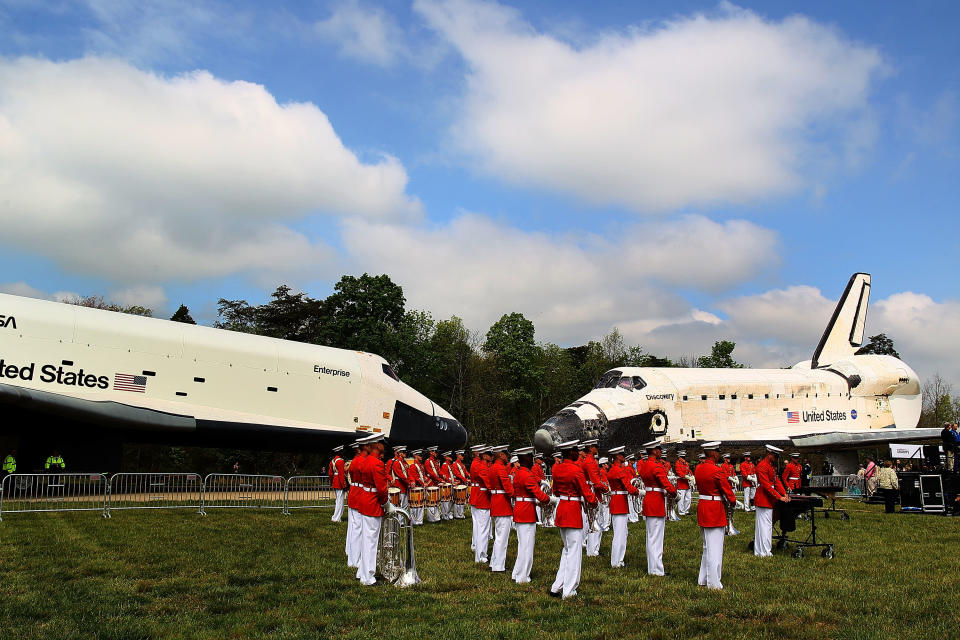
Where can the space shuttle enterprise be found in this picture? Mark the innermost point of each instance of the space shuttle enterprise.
(835, 401)
(76, 377)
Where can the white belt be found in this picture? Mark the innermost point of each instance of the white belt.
(657, 490)
(577, 498)
(618, 493)
(365, 488)
(792, 478)
(496, 491)
(524, 499)
(711, 498)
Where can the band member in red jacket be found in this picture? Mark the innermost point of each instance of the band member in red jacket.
(604, 515)
(526, 494)
(539, 471)
(460, 476)
(371, 502)
(397, 473)
(792, 473)
(446, 478)
(591, 471)
(655, 505)
(570, 486)
(353, 523)
(682, 469)
(631, 467)
(769, 491)
(501, 512)
(416, 478)
(712, 483)
(747, 469)
(480, 504)
(338, 482)
(621, 488)
(432, 466)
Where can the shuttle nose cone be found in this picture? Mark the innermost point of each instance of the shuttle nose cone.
(457, 436)
(543, 441)
(560, 428)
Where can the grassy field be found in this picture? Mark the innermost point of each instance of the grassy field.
(262, 574)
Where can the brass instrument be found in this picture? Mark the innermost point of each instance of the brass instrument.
(730, 508)
(638, 498)
(396, 561)
(671, 500)
(692, 481)
(549, 511)
(593, 522)
(346, 470)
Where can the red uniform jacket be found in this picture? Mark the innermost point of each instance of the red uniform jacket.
(414, 476)
(373, 495)
(433, 472)
(711, 482)
(397, 472)
(769, 487)
(501, 489)
(479, 495)
(655, 479)
(460, 473)
(682, 470)
(791, 475)
(526, 491)
(747, 468)
(569, 484)
(446, 472)
(539, 471)
(619, 478)
(356, 466)
(591, 471)
(728, 469)
(666, 465)
(338, 476)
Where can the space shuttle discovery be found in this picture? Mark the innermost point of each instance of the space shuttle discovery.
(80, 374)
(836, 400)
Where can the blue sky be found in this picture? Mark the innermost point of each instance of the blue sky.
(686, 171)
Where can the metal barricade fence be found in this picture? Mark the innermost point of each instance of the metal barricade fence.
(34, 492)
(155, 491)
(308, 492)
(241, 491)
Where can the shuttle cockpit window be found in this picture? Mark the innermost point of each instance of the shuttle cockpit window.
(609, 380)
(387, 369)
(638, 383)
(632, 382)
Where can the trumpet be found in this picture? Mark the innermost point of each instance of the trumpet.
(396, 559)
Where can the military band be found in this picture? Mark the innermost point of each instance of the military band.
(507, 493)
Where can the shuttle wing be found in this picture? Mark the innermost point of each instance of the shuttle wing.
(836, 440)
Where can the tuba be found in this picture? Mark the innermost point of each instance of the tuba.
(730, 508)
(638, 498)
(671, 500)
(548, 512)
(396, 561)
(593, 523)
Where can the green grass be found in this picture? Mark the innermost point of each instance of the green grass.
(253, 574)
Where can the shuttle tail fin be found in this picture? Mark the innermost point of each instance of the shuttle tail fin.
(844, 333)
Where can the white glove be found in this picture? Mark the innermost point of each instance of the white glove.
(389, 508)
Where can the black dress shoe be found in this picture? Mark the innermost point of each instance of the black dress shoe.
(554, 594)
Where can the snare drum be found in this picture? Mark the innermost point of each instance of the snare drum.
(446, 492)
(460, 494)
(433, 496)
(416, 497)
(394, 493)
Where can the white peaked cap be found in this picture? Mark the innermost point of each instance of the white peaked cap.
(603, 460)
(417, 452)
(711, 446)
(746, 453)
(794, 455)
(523, 451)
(569, 444)
(514, 459)
(400, 447)
(498, 448)
(433, 448)
(616, 450)
(459, 452)
(588, 443)
(726, 455)
(701, 455)
(557, 454)
(653, 444)
(448, 453)
(682, 453)
(772, 448)
(477, 448)
(338, 448)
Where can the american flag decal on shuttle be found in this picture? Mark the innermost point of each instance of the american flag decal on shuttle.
(793, 417)
(129, 382)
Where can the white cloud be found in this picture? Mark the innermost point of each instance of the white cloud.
(22, 289)
(572, 287)
(365, 34)
(120, 173)
(701, 109)
(149, 296)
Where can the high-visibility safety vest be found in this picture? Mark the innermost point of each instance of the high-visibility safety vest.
(54, 461)
(10, 464)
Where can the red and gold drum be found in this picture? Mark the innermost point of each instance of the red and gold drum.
(416, 497)
(446, 492)
(394, 493)
(433, 496)
(460, 494)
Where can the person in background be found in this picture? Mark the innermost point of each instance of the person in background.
(870, 476)
(889, 485)
(956, 448)
(9, 464)
(54, 462)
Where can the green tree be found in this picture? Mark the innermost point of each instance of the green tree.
(880, 345)
(98, 302)
(720, 356)
(365, 313)
(183, 315)
(516, 360)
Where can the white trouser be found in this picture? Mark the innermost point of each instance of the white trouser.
(482, 538)
(404, 501)
(498, 555)
(655, 544)
(633, 516)
(605, 517)
(763, 533)
(433, 514)
(539, 514)
(338, 506)
(416, 514)
(711, 564)
(748, 494)
(354, 534)
(446, 510)
(526, 534)
(568, 575)
(683, 501)
(458, 512)
(593, 543)
(586, 525)
(619, 546)
(370, 537)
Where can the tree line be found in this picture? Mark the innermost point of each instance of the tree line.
(500, 384)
